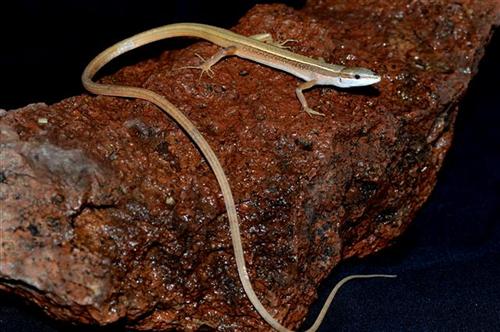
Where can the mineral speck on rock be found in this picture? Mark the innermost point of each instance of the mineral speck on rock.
(109, 212)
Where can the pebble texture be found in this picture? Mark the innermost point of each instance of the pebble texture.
(109, 213)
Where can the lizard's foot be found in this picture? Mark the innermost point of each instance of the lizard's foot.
(302, 99)
(312, 112)
(283, 43)
(205, 67)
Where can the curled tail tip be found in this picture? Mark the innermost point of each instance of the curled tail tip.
(385, 275)
(356, 276)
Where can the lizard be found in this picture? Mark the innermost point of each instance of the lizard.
(258, 48)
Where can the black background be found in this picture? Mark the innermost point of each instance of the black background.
(448, 261)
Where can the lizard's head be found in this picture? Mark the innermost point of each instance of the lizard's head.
(354, 76)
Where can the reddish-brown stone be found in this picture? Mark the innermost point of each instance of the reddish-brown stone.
(109, 212)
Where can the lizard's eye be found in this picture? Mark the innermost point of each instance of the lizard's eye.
(357, 76)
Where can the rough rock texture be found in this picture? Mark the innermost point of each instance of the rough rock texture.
(109, 213)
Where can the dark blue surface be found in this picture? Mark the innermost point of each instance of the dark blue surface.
(448, 262)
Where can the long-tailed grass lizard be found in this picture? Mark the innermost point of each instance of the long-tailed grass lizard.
(258, 48)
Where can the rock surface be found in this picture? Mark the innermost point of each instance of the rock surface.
(109, 213)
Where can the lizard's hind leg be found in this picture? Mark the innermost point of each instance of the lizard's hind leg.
(206, 66)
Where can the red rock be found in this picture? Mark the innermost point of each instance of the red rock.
(109, 212)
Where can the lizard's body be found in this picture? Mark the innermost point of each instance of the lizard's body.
(311, 70)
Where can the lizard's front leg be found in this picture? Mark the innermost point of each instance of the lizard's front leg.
(302, 99)
(268, 39)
